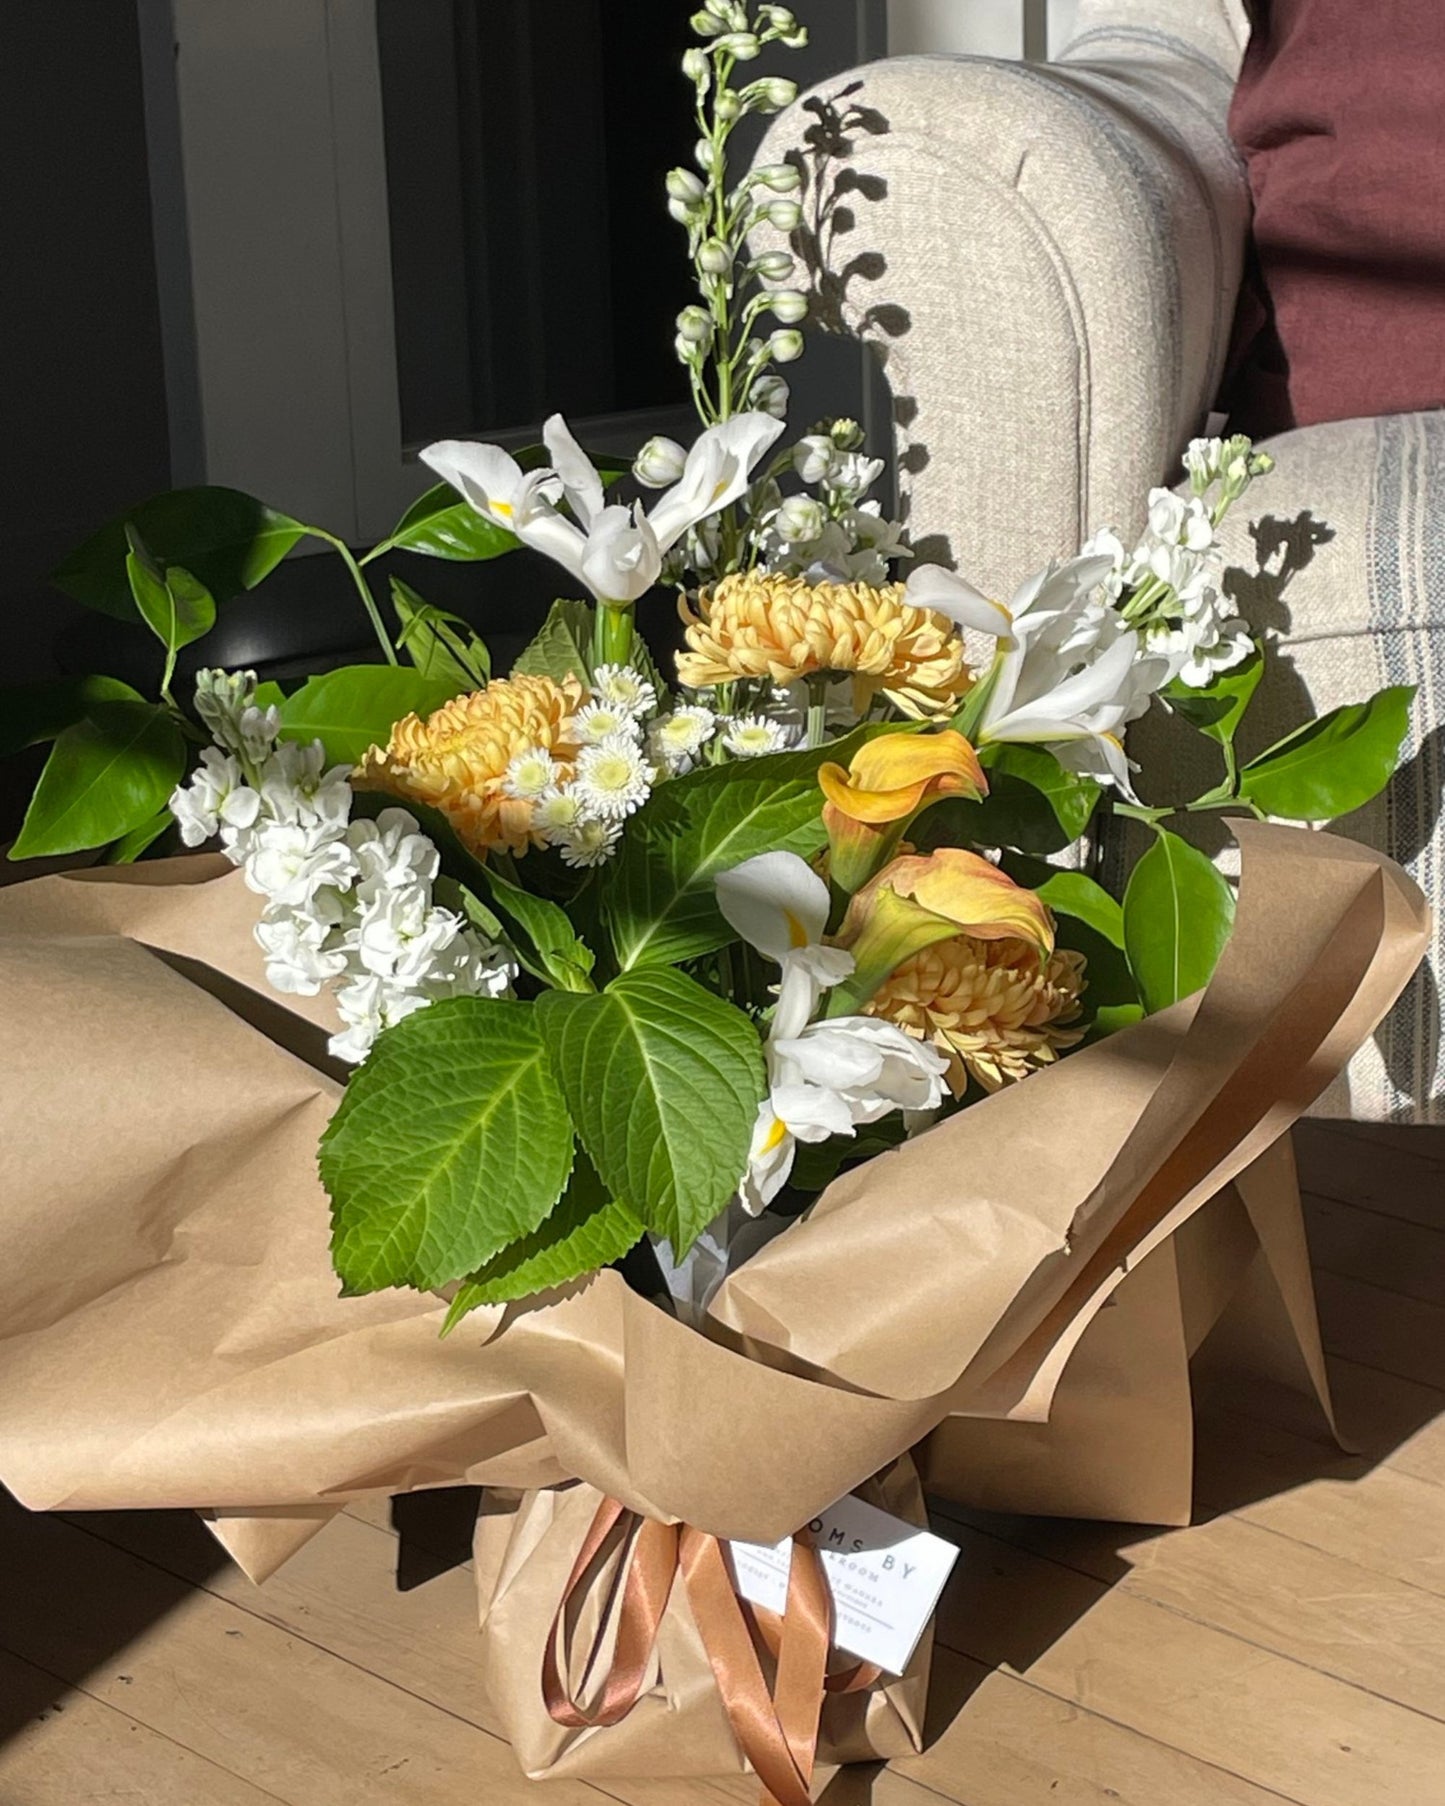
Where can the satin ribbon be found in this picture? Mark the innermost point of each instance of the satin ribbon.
(777, 1728)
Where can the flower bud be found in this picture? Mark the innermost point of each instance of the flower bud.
(707, 24)
(695, 325)
(786, 347)
(659, 464)
(814, 458)
(785, 215)
(777, 18)
(687, 352)
(705, 155)
(771, 94)
(770, 395)
(715, 257)
(781, 178)
(774, 266)
(728, 105)
(790, 305)
(846, 434)
(696, 67)
(684, 187)
(681, 212)
(743, 45)
(800, 519)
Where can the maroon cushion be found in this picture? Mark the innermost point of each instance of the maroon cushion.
(1340, 116)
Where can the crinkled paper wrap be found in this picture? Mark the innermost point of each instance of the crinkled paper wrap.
(524, 1549)
(171, 1333)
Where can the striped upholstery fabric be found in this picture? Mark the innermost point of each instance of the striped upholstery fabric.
(1048, 258)
(1341, 561)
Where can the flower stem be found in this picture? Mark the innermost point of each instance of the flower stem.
(363, 588)
(612, 634)
(817, 710)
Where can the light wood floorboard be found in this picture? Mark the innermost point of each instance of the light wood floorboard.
(1290, 1647)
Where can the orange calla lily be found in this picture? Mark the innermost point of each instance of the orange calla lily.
(921, 899)
(887, 783)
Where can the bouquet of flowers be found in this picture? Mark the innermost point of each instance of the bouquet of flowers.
(627, 951)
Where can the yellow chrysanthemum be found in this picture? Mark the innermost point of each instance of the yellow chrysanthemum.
(753, 625)
(991, 1007)
(457, 759)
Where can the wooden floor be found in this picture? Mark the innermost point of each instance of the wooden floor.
(1291, 1647)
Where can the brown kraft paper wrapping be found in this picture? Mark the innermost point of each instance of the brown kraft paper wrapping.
(524, 1551)
(171, 1334)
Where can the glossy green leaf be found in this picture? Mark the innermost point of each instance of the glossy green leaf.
(563, 958)
(440, 524)
(1335, 764)
(586, 1231)
(1089, 920)
(440, 645)
(106, 776)
(562, 648)
(657, 894)
(130, 846)
(450, 1143)
(1218, 710)
(177, 609)
(663, 1080)
(36, 712)
(356, 707)
(1033, 806)
(1178, 913)
(226, 540)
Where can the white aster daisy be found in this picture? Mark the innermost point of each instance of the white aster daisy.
(599, 721)
(675, 740)
(613, 779)
(532, 773)
(557, 813)
(751, 736)
(625, 688)
(590, 842)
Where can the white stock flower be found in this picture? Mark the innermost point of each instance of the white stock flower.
(815, 458)
(289, 864)
(216, 798)
(297, 787)
(675, 741)
(226, 703)
(800, 520)
(624, 688)
(401, 933)
(753, 736)
(300, 949)
(367, 1005)
(771, 395)
(855, 476)
(391, 854)
(659, 464)
(613, 778)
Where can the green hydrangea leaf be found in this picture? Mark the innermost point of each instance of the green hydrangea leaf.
(663, 1080)
(451, 1143)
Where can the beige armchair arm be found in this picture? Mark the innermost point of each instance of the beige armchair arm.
(1047, 258)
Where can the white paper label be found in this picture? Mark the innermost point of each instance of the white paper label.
(884, 1576)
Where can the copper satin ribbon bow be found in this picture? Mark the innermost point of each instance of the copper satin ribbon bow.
(776, 1730)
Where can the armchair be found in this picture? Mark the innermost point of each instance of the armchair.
(1047, 259)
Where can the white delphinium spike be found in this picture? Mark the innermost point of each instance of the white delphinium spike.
(613, 778)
